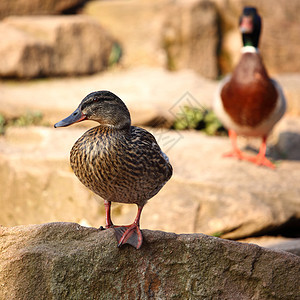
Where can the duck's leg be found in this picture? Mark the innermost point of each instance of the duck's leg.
(130, 234)
(260, 159)
(235, 152)
(108, 221)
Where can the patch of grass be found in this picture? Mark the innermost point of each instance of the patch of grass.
(2, 124)
(115, 54)
(28, 119)
(217, 234)
(199, 119)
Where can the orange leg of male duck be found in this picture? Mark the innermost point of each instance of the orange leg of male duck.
(130, 234)
(236, 152)
(260, 159)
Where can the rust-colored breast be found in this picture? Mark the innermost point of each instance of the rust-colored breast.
(249, 97)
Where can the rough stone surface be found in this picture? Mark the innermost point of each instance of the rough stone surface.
(280, 38)
(186, 40)
(67, 261)
(36, 7)
(207, 193)
(53, 46)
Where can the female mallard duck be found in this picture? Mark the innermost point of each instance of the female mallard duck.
(117, 161)
(248, 102)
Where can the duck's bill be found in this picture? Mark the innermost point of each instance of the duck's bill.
(246, 25)
(75, 117)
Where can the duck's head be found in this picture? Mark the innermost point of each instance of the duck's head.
(250, 26)
(103, 107)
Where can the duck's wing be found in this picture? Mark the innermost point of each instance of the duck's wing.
(146, 146)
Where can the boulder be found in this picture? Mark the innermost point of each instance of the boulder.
(42, 46)
(291, 86)
(220, 196)
(280, 38)
(38, 182)
(287, 244)
(153, 95)
(36, 7)
(292, 246)
(188, 39)
(191, 36)
(288, 138)
(207, 193)
(67, 261)
(19, 52)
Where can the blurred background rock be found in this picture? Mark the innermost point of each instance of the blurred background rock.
(198, 34)
(159, 57)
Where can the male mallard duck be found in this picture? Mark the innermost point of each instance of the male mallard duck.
(117, 161)
(248, 102)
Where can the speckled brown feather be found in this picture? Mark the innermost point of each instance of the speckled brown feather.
(124, 166)
(249, 97)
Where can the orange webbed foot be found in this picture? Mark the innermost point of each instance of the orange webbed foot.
(236, 154)
(262, 161)
(130, 234)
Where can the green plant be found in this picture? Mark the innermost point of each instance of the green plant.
(28, 119)
(217, 234)
(2, 124)
(115, 54)
(212, 124)
(199, 119)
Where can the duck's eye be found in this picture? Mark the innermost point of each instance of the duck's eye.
(75, 113)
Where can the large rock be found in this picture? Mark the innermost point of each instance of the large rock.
(39, 183)
(21, 54)
(288, 141)
(287, 244)
(291, 86)
(207, 193)
(53, 46)
(36, 7)
(280, 38)
(67, 261)
(191, 36)
(172, 34)
(153, 95)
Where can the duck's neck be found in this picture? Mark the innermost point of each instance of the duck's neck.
(249, 49)
(109, 127)
(251, 39)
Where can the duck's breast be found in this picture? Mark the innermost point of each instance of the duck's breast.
(126, 168)
(249, 102)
